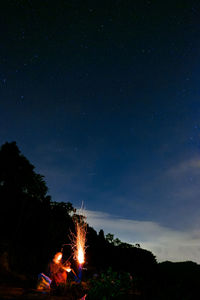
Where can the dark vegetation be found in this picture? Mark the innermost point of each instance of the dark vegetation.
(34, 228)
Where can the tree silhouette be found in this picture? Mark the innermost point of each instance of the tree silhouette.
(22, 190)
(32, 226)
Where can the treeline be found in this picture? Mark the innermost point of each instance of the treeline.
(33, 227)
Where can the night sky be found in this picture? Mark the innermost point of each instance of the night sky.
(103, 97)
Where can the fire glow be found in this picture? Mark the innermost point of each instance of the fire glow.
(57, 268)
(78, 241)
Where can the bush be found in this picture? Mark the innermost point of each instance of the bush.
(110, 285)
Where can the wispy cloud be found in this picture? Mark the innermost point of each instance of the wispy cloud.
(165, 243)
(186, 166)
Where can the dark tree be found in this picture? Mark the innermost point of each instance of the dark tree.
(22, 190)
(32, 226)
(24, 199)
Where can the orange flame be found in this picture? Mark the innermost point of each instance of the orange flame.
(81, 255)
(80, 242)
(68, 269)
(79, 239)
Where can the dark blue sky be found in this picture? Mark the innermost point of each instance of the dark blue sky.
(103, 98)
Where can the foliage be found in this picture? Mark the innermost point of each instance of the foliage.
(117, 242)
(36, 227)
(110, 285)
(22, 191)
(180, 279)
(110, 238)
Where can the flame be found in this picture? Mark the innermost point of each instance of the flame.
(79, 239)
(80, 242)
(68, 269)
(80, 256)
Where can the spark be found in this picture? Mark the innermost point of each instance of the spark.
(79, 239)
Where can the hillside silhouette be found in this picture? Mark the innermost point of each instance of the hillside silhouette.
(34, 228)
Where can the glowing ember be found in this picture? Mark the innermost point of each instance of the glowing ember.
(68, 270)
